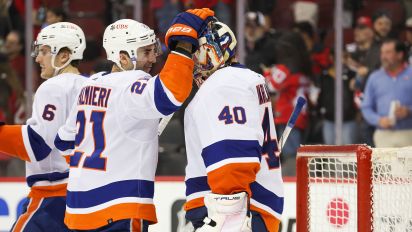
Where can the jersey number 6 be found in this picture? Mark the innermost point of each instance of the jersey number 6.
(95, 160)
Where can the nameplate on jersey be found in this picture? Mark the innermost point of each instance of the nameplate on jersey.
(94, 96)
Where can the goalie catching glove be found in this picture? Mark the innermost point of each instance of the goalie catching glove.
(187, 26)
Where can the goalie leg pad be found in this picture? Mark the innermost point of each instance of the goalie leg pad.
(226, 213)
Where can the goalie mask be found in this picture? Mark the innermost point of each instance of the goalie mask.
(216, 47)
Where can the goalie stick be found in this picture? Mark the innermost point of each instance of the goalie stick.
(291, 122)
(163, 123)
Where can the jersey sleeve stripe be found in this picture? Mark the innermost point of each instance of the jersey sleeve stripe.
(196, 184)
(63, 145)
(226, 149)
(12, 142)
(195, 203)
(231, 161)
(237, 178)
(112, 191)
(163, 104)
(53, 176)
(180, 87)
(266, 197)
(39, 147)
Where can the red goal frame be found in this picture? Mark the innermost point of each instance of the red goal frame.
(364, 183)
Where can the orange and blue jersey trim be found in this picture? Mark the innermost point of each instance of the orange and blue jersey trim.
(63, 145)
(110, 214)
(23, 142)
(22, 221)
(233, 150)
(162, 102)
(52, 176)
(237, 160)
(115, 201)
(265, 197)
(182, 86)
(110, 192)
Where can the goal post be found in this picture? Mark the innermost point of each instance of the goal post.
(354, 188)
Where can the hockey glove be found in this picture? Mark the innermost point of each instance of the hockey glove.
(187, 26)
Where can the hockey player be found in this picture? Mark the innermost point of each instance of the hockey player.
(57, 50)
(112, 168)
(233, 177)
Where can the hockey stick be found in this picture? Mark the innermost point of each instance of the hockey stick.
(163, 123)
(291, 122)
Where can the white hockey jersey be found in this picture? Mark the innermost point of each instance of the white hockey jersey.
(48, 170)
(231, 142)
(112, 167)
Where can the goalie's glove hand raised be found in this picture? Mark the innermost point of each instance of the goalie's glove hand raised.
(187, 27)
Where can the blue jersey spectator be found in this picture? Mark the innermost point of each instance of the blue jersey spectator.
(388, 98)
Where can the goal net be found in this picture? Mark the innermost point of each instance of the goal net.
(354, 188)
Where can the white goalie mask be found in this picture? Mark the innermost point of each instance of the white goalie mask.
(216, 47)
(128, 36)
(61, 35)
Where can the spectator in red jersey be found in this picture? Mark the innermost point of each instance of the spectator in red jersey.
(288, 79)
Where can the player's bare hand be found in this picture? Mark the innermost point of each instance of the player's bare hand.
(385, 123)
(401, 112)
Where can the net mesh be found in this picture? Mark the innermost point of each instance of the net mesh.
(333, 191)
(392, 190)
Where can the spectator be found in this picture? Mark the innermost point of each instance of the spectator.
(288, 86)
(288, 79)
(306, 11)
(11, 93)
(222, 8)
(14, 49)
(408, 38)
(260, 43)
(264, 6)
(326, 105)
(54, 15)
(388, 97)
(382, 25)
(363, 59)
(364, 52)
